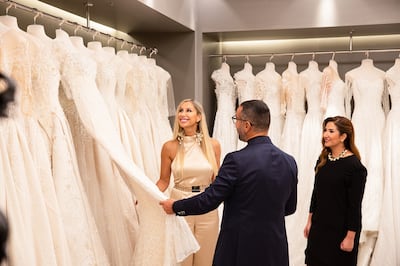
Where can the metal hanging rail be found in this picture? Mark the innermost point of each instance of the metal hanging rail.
(74, 24)
(366, 52)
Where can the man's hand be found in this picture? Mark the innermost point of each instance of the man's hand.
(167, 206)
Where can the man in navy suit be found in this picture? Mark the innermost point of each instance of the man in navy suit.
(258, 186)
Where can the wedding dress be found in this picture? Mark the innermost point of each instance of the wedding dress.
(387, 248)
(28, 162)
(334, 92)
(163, 239)
(244, 82)
(135, 105)
(294, 110)
(224, 130)
(310, 148)
(366, 84)
(126, 132)
(268, 87)
(111, 201)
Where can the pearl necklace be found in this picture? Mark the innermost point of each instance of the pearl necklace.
(341, 155)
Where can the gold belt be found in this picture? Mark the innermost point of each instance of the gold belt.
(199, 188)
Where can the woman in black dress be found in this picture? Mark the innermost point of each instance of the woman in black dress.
(334, 222)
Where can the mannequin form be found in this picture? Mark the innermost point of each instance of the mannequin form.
(9, 21)
(95, 46)
(38, 31)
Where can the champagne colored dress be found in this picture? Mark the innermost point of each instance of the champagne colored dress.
(196, 175)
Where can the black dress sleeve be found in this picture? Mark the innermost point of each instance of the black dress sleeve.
(355, 185)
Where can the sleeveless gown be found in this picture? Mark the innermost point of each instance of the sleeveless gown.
(366, 85)
(294, 106)
(224, 130)
(244, 82)
(333, 99)
(310, 148)
(268, 87)
(197, 171)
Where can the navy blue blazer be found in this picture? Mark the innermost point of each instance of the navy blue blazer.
(258, 186)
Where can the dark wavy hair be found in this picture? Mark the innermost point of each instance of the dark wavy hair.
(344, 126)
(7, 93)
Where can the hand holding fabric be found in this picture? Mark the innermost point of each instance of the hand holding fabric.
(167, 205)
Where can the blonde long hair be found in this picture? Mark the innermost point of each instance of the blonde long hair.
(202, 129)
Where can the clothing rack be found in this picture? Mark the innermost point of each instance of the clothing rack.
(313, 54)
(78, 26)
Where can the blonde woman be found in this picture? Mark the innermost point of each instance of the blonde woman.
(192, 157)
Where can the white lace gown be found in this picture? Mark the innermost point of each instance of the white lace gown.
(112, 202)
(224, 129)
(154, 94)
(334, 92)
(310, 148)
(135, 105)
(268, 87)
(163, 239)
(366, 84)
(127, 134)
(294, 106)
(244, 83)
(387, 248)
(21, 59)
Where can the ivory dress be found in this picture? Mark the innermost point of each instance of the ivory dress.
(268, 87)
(294, 109)
(244, 82)
(224, 130)
(162, 239)
(197, 171)
(310, 148)
(28, 166)
(334, 92)
(387, 248)
(113, 204)
(366, 84)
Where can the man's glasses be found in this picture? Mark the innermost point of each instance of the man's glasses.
(234, 119)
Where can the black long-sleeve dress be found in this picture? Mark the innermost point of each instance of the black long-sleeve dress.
(336, 208)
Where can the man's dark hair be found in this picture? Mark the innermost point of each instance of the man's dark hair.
(257, 113)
